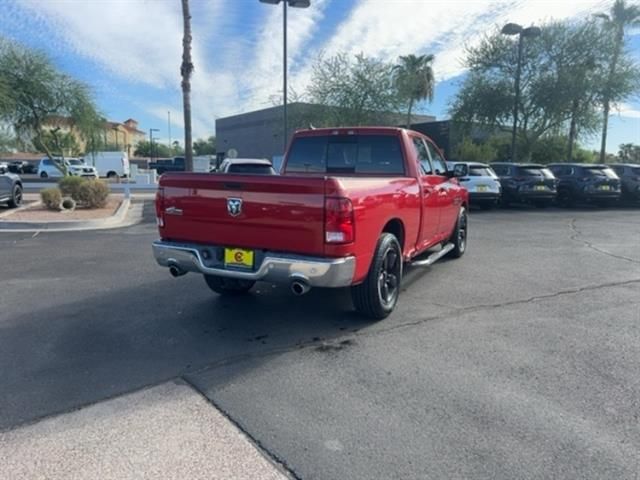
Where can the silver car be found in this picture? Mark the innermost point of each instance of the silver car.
(482, 184)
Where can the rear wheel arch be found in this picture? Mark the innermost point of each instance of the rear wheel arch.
(396, 228)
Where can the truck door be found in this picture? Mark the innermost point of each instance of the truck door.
(447, 191)
(430, 211)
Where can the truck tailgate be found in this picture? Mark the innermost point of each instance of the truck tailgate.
(259, 212)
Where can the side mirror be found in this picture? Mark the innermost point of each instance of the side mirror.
(460, 170)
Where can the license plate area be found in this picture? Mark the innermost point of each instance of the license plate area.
(605, 187)
(238, 258)
(482, 188)
(540, 188)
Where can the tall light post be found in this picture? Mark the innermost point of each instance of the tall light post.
(294, 4)
(151, 130)
(515, 29)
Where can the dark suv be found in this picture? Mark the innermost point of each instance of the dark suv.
(584, 182)
(629, 174)
(526, 183)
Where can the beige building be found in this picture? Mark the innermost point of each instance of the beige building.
(123, 136)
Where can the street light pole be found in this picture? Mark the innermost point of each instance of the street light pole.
(285, 4)
(515, 29)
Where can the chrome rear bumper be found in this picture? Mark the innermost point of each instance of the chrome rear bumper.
(274, 267)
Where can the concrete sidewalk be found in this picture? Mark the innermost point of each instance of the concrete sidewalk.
(168, 431)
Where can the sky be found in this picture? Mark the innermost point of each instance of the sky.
(129, 51)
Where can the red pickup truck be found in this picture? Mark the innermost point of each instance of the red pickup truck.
(351, 207)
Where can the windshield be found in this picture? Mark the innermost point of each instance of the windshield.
(75, 162)
(600, 172)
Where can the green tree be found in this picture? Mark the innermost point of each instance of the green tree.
(562, 74)
(629, 153)
(414, 79)
(186, 69)
(38, 94)
(144, 149)
(205, 146)
(358, 91)
(620, 18)
(578, 55)
(61, 143)
(470, 151)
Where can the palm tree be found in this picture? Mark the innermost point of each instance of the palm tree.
(414, 79)
(186, 69)
(620, 17)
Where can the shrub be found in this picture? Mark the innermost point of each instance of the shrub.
(51, 198)
(93, 193)
(70, 186)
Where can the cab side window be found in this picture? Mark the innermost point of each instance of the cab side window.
(439, 165)
(423, 156)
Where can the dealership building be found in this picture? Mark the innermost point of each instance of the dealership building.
(258, 134)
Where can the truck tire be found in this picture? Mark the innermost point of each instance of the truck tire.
(228, 286)
(459, 235)
(377, 296)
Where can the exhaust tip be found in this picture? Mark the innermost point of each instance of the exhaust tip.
(299, 288)
(175, 271)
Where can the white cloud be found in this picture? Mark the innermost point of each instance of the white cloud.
(136, 40)
(238, 56)
(387, 29)
(629, 111)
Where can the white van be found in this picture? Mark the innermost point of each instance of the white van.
(109, 164)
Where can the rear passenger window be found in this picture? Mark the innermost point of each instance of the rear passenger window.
(372, 154)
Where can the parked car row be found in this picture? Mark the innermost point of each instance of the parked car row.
(18, 167)
(564, 184)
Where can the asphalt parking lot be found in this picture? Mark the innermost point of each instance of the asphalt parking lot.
(520, 360)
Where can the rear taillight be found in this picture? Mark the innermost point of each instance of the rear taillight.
(160, 207)
(339, 226)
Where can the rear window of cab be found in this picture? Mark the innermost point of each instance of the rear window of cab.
(369, 154)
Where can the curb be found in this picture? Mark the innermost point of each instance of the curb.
(110, 222)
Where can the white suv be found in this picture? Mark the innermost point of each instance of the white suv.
(79, 168)
(75, 167)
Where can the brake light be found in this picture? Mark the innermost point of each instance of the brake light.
(339, 224)
(160, 207)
